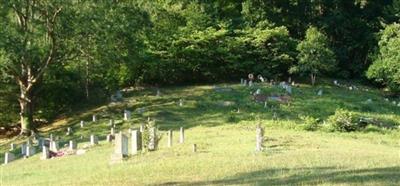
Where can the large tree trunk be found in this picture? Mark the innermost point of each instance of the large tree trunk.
(26, 114)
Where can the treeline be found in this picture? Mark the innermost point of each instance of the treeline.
(57, 54)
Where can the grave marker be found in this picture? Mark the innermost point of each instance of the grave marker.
(13, 146)
(152, 139)
(259, 138)
(54, 146)
(30, 151)
(127, 115)
(94, 118)
(109, 138)
(45, 153)
(69, 131)
(94, 140)
(170, 138)
(72, 145)
(8, 157)
(136, 142)
(182, 135)
(23, 149)
(82, 124)
(194, 148)
(121, 147)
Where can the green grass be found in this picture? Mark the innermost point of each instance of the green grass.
(226, 142)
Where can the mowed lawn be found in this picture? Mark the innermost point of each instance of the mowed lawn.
(226, 143)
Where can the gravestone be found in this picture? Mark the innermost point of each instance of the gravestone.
(109, 138)
(258, 91)
(127, 115)
(289, 89)
(265, 104)
(72, 145)
(94, 118)
(13, 146)
(121, 147)
(141, 128)
(30, 150)
(112, 132)
(82, 124)
(152, 139)
(158, 93)
(23, 149)
(51, 137)
(45, 153)
(170, 138)
(136, 142)
(394, 102)
(261, 78)
(194, 148)
(182, 135)
(241, 81)
(320, 92)
(69, 131)
(111, 123)
(259, 138)
(54, 146)
(8, 157)
(180, 102)
(250, 83)
(94, 140)
(245, 82)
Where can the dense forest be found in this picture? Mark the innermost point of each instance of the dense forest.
(56, 55)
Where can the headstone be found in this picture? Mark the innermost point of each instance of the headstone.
(398, 104)
(261, 78)
(258, 91)
(51, 137)
(112, 132)
(8, 157)
(72, 145)
(259, 138)
(13, 146)
(141, 128)
(23, 149)
(94, 140)
(111, 123)
(293, 83)
(182, 135)
(394, 102)
(180, 102)
(45, 153)
(250, 83)
(136, 142)
(94, 118)
(194, 148)
(369, 101)
(82, 124)
(121, 147)
(289, 89)
(241, 81)
(320, 92)
(350, 88)
(109, 138)
(245, 82)
(69, 131)
(54, 146)
(265, 104)
(158, 93)
(30, 151)
(127, 115)
(170, 138)
(152, 139)
(335, 82)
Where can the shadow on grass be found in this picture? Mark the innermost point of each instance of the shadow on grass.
(308, 176)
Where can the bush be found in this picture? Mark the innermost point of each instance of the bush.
(310, 123)
(344, 121)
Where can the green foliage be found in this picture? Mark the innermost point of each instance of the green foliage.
(315, 56)
(344, 121)
(309, 123)
(386, 67)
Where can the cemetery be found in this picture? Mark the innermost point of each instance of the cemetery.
(181, 92)
(182, 136)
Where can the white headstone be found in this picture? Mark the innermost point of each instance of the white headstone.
(45, 153)
(121, 147)
(30, 151)
(69, 131)
(258, 91)
(94, 118)
(72, 145)
(250, 83)
(23, 149)
(180, 102)
(245, 82)
(259, 138)
(152, 139)
(169, 138)
(111, 123)
(13, 146)
(82, 124)
(136, 142)
(54, 146)
(127, 115)
(158, 93)
(94, 140)
(241, 81)
(8, 157)
(109, 138)
(181, 135)
(320, 92)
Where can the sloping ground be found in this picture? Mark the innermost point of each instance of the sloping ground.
(226, 142)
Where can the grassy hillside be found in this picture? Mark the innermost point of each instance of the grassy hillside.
(226, 141)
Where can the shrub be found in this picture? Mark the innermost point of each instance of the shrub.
(344, 121)
(310, 123)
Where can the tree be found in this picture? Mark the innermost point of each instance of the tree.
(386, 66)
(32, 38)
(315, 56)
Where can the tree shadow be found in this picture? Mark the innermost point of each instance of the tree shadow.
(307, 176)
